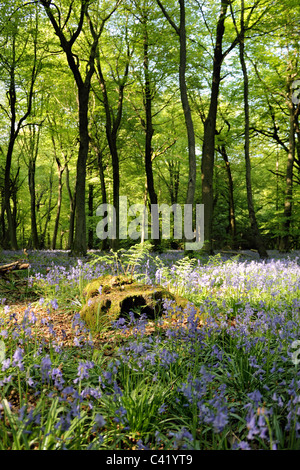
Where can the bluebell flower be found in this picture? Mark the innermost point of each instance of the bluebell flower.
(5, 364)
(57, 376)
(181, 438)
(162, 408)
(242, 445)
(121, 415)
(141, 446)
(46, 366)
(82, 371)
(99, 422)
(17, 359)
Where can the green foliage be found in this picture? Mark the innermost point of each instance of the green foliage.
(54, 113)
(124, 261)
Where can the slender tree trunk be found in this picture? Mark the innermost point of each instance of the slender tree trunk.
(104, 245)
(2, 232)
(91, 213)
(174, 172)
(11, 229)
(15, 126)
(31, 184)
(186, 107)
(72, 199)
(48, 214)
(208, 147)
(80, 242)
(149, 131)
(284, 244)
(254, 227)
(59, 201)
(112, 126)
(116, 190)
(231, 215)
(181, 32)
(32, 143)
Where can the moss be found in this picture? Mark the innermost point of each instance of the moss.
(121, 295)
(107, 283)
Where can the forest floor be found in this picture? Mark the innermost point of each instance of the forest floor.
(60, 383)
(19, 298)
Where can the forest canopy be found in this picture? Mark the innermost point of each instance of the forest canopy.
(164, 102)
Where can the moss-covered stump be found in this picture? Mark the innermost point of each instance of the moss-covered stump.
(109, 298)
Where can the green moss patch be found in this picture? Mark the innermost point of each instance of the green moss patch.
(109, 298)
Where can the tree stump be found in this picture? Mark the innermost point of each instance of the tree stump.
(109, 298)
(15, 266)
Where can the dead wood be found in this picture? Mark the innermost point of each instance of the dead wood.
(15, 266)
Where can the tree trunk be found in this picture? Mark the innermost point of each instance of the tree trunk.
(112, 127)
(80, 242)
(31, 184)
(72, 199)
(59, 200)
(79, 245)
(48, 214)
(284, 244)
(186, 107)
(259, 244)
(149, 131)
(116, 190)
(11, 228)
(104, 245)
(231, 215)
(208, 147)
(91, 213)
(181, 31)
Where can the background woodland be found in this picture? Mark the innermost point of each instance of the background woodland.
(164, 102)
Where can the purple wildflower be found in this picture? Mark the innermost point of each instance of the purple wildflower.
(45, 367)
(99, 422)
(82, 371)
(17, 359)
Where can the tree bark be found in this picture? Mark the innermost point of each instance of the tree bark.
(31, 184)
(149, 131)
(186, 107)
(181, 32)
(208, 147)
(72, 199)
(284, 243)
(79, 246)
(59, 200)
(257, 238)
(91, 213)
(112, 126)
(104, 245)
(231, 210)
(80, 242)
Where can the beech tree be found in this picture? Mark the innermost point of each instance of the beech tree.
(62, 22)
(181, 32)
(14, 56)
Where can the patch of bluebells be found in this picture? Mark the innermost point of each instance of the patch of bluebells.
(262, 333)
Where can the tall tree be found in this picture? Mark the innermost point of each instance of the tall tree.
(30, 146)
(113, 117)
(258, 240)
(17, 113)
(208, 146)
(63, 25)
(181, 32)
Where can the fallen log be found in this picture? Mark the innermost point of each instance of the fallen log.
(15, 266)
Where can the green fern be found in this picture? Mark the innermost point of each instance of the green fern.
(124, 261)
